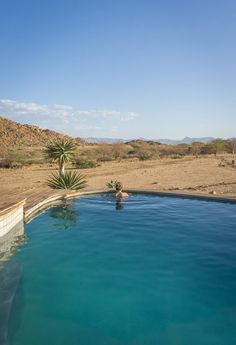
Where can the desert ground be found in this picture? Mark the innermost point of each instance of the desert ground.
(192, 175)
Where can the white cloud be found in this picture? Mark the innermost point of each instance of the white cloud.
(17, 110)
(64, 118)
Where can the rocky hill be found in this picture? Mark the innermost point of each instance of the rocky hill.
(15, 135)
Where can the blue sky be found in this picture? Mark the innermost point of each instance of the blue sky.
(127, 68)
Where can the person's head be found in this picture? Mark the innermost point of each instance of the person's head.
(118, 186)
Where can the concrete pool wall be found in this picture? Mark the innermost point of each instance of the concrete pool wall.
(10, 217)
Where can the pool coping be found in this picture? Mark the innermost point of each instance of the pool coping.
(32, 210)
(43, 201)
(208, 197)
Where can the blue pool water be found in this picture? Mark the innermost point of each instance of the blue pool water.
(149, 271)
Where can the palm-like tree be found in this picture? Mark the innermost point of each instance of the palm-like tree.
(65, 214)
(62, 152)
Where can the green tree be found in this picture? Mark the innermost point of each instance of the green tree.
(62, 152)
(196, 148)
(219, 145)
(232, 146)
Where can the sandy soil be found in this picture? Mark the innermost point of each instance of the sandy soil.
(189, 174)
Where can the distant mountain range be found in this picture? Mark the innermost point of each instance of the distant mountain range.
(94, 140)
(186, 140)
(14, 135)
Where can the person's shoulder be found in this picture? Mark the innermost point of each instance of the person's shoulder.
(125, 194)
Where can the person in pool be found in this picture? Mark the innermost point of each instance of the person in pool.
(119, 194)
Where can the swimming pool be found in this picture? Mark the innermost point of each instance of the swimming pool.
(149, 270)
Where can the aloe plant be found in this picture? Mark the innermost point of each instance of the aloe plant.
(67, 180)
(62, 152)
(111, 184)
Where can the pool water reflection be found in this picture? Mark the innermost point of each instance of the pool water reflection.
(147, 270)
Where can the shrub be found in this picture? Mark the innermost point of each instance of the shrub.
(110, 152)
(131, 152)
(68, 180)
(111, 184)
(5, 163)
(8, 163)
(176, 156)
(83, 163)
(144, 156)
(16, 165)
